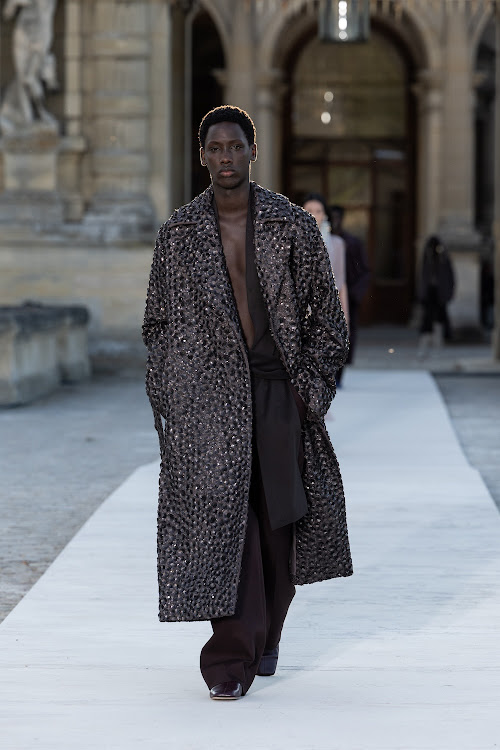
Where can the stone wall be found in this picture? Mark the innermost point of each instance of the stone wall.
(121, 159)
(40, 347)
(110, 282)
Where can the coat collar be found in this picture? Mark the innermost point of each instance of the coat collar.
(273, 216)
(269, 207)
(272, 241)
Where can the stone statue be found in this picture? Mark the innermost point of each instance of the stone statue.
(22, 108)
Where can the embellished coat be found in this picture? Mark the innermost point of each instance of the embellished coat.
(198, 383)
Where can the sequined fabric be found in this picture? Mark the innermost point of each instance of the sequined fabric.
(198, 382)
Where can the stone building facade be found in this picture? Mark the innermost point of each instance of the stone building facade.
(400, 130)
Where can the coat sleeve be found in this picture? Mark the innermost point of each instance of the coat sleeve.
(155, 320)
(325, 342)
(154, 329)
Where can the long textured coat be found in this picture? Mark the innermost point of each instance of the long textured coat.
(198, 382)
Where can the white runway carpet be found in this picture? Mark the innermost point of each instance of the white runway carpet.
(405, 654)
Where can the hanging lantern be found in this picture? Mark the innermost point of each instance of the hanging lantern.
(344, 20)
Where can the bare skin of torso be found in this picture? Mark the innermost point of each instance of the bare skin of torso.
(233, 236)
(227, 153)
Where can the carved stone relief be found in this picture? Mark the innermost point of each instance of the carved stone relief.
(22, 110)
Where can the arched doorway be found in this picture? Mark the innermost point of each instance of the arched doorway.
(350, 135)
(207, 56)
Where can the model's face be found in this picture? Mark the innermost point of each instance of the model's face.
(227, 155)
(316, 209)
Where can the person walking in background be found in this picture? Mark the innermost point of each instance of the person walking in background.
(437, 284)
(357, 274)
(245, 332)
(315, 204)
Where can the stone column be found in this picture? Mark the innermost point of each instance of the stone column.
(241, 63)
(269, 92)
(118, 121)
(161, 183)
(457, 189)
(458, 175)
(73, 144)
(429, 93)
(178, 102)
(496, 222)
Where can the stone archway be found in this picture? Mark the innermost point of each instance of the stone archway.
(413, 31)
(349, 134)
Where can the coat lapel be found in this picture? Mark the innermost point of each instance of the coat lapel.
(272, 244)
(207, 255)
(272, 249)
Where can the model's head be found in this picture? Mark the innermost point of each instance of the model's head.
(227, 146)
(315, 204)
(227, 113)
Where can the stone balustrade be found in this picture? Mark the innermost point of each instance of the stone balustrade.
(41, 346)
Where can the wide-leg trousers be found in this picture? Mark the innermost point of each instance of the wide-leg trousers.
(264, 594)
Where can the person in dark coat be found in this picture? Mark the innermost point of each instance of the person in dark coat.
(245, 332)
(357, 274)
(437, 284)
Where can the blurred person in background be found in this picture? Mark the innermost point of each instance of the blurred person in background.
(357, 274)
(315, 204)
(437, 284)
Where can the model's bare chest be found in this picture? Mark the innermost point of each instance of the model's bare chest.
(233, 237)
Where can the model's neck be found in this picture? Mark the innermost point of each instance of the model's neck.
(232, 201)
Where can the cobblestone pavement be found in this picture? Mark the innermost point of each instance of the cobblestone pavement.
(474, 406)
(60, 458)
(63, 455)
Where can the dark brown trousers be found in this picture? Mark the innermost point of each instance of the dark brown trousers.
(264, 595)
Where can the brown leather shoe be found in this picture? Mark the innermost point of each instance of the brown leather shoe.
(268, 662)
(226, 691)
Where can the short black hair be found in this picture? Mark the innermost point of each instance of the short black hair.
(319, 199)
(338, 209)
(227, 113)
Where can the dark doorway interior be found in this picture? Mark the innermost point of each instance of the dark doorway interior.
(349, 123)
(206, 92)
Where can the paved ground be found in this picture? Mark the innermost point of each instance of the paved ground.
(402, 656)
(469, 382)
(474, 406)
(396, 348)
(60, 458)
(63, 455)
